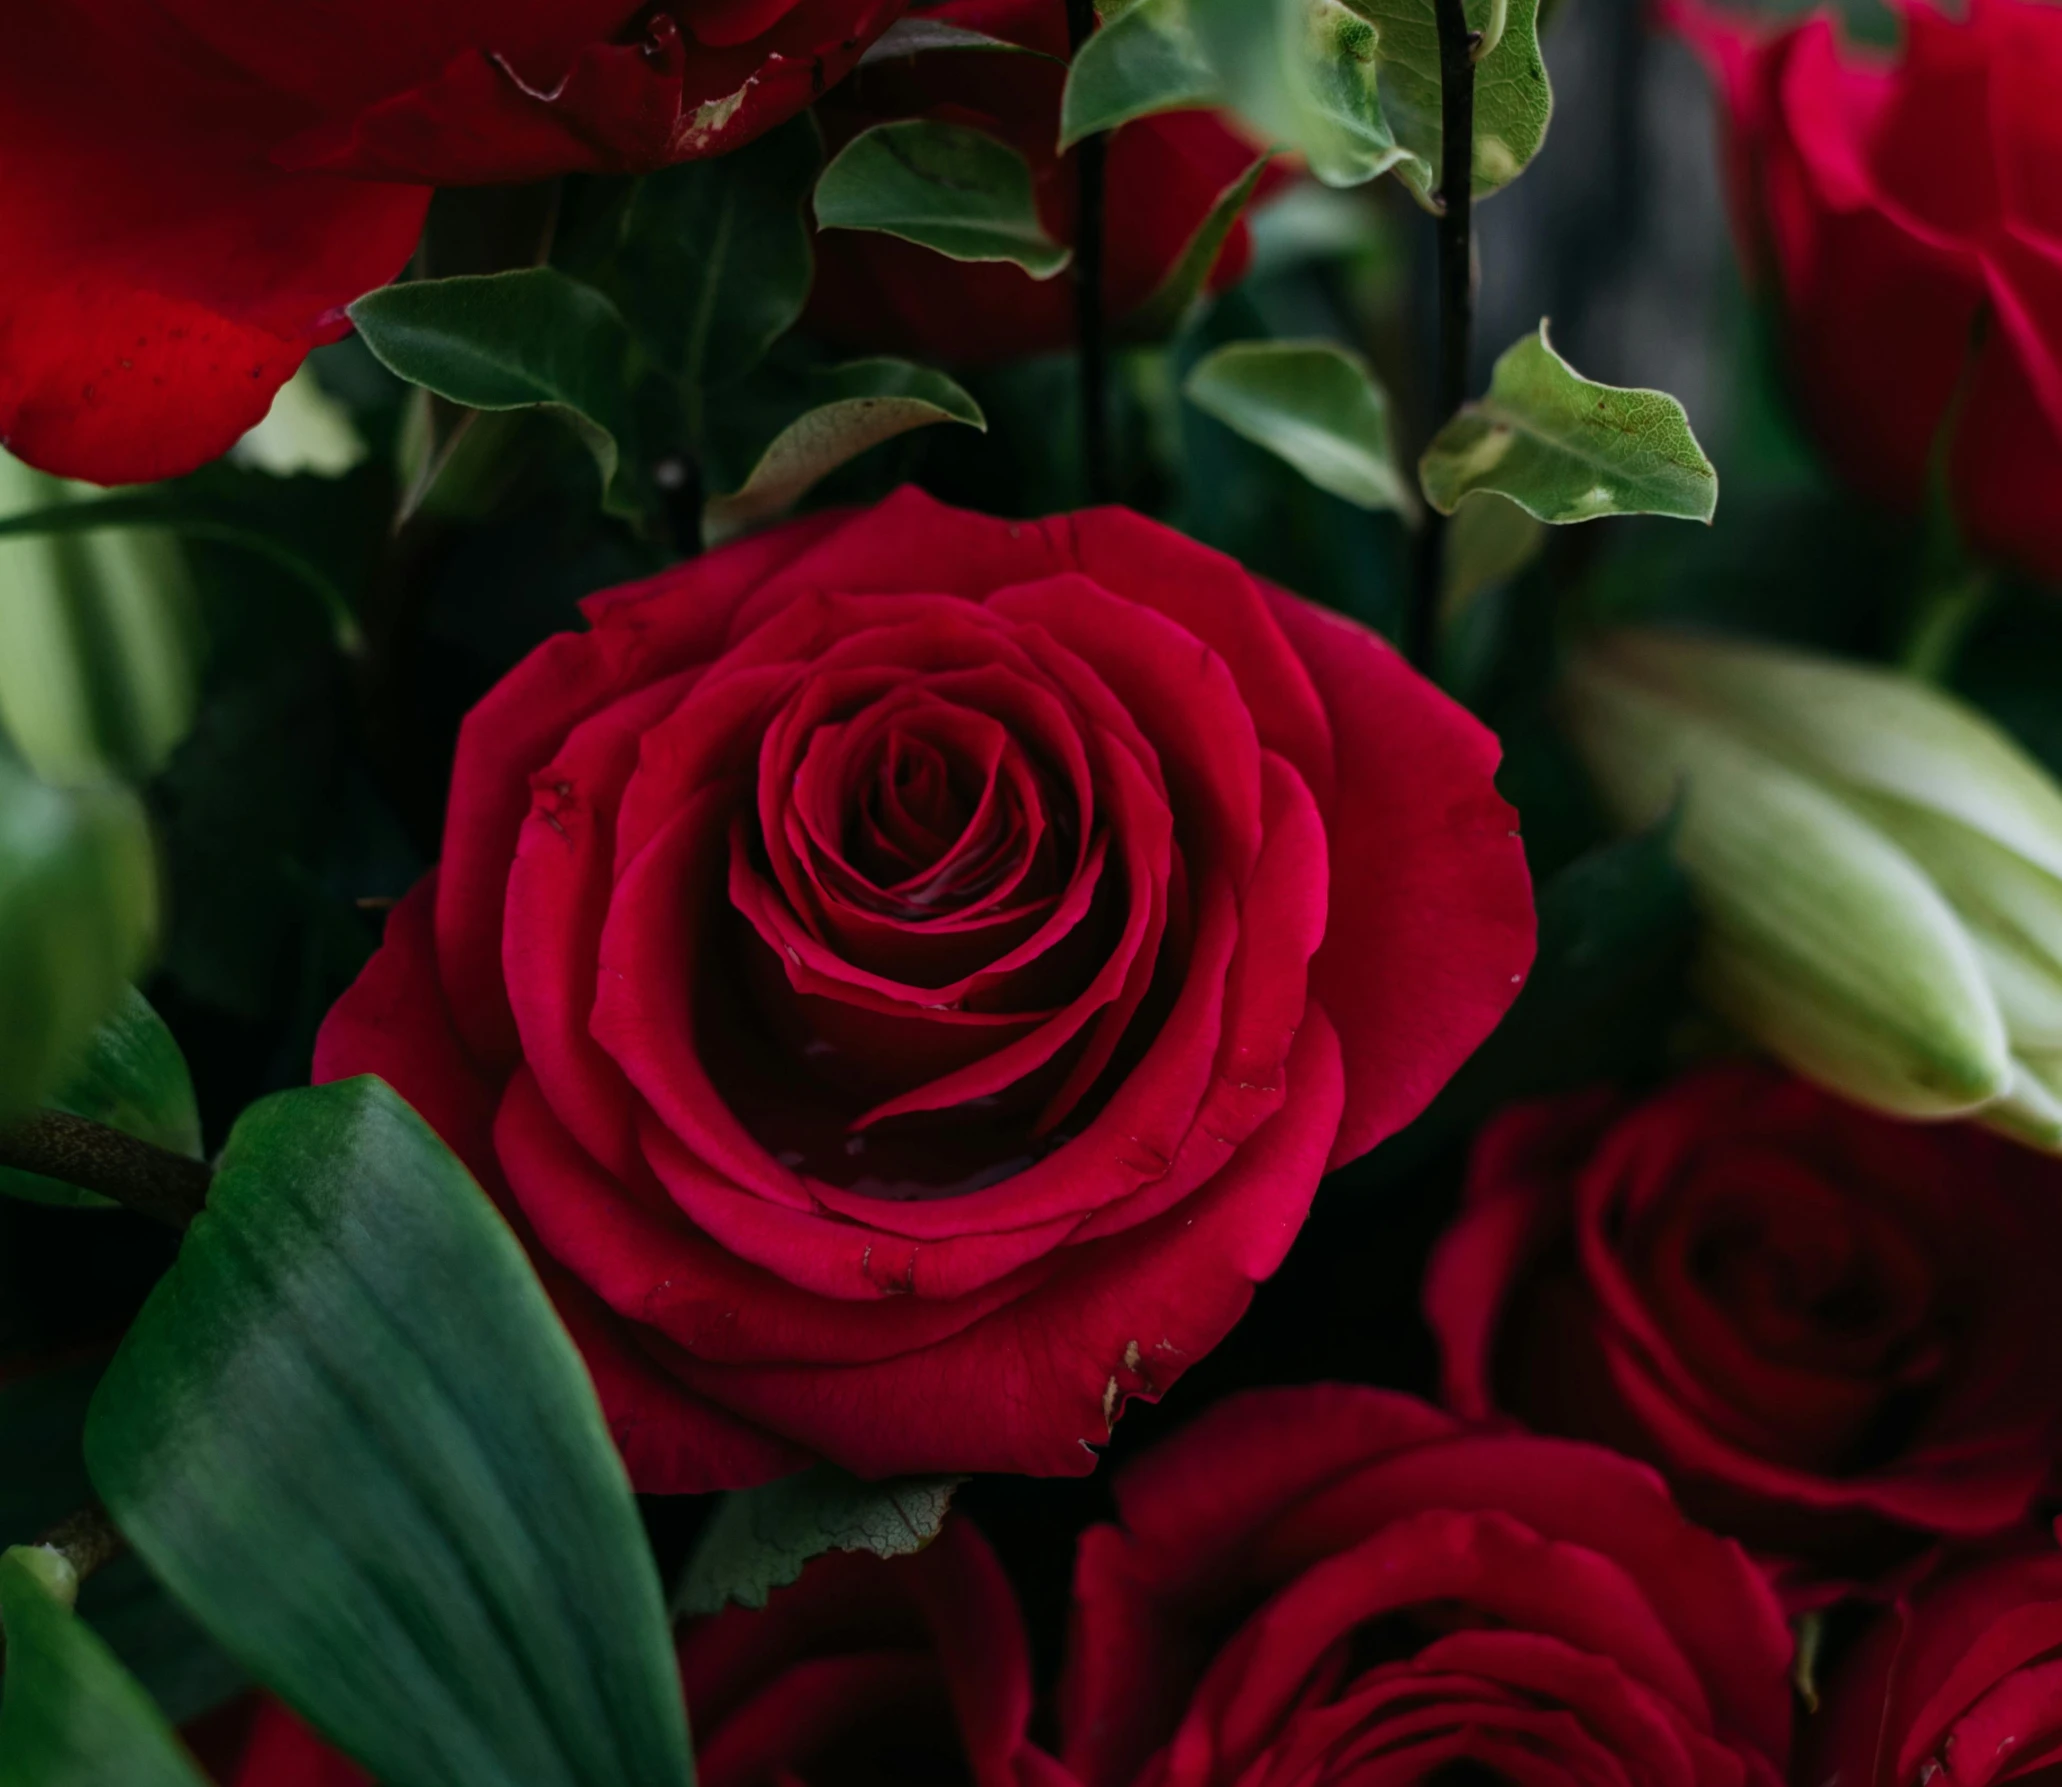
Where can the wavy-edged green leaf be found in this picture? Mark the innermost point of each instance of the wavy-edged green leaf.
(782, 437)
(132, 1077)
(716, 259)
(1143, 60)
(1168, 306)
(70, 1714)
(1565, 448)
(945, 186)
(352, 1374)
(528, 339)
(1317, 406)
(922, 37)
(78, 910)
(760, 1539)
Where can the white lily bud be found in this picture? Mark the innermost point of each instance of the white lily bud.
(1878, 868)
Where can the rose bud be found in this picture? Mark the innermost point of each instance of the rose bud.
(1955, 1683)
(1337, 1584)
(202, 185)
(1877, 867)
(905, 973)
(1906, 213)
(865, 1669)
(1164, 175)
(1833, 1332)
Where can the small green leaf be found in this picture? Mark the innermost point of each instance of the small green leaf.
(1171, 301)
(133, 1077)
(760, 1539)
(1491, 541)
(919, 37)
(78, 899)
(1144, 60)
(72, 1716)
(1313, 404)
(945, 186)
(529, 339)
(792, 430)
(352, 1378)
(716, 260)
(1564, 448)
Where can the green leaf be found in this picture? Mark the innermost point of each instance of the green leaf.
(1491, 541)
(349, 1433)
(919, 37)
(72, 1716)
(530, 339)
(1144, 60)
(760, 1539)
(1171, 301)
(1564, 448)
(793, 429)
(716, 260)
(945, 186)
(78, 898)
(1314, 405)
(133, 1077)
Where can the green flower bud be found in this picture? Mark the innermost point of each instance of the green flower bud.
(1878, 868)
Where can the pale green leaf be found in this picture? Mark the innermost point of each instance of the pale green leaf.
(1144, 60)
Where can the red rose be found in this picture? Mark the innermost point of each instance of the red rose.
(910, 1669)
(1956, 1682)
(1834, 1332)
(198, 187)
(909, 970)
(1893, 203)
(1340, 1584)
(1164, 174)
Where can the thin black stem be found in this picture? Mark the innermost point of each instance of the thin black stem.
(1093, 348)
(85, 1540)
(153, 1181)
(1456, 289)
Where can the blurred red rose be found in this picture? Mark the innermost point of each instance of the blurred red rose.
(907, 972)
(1893, 202)
(1165, 173)
(196, 188)
(1337, 1584)
(1835, 1333)
(910, 1669)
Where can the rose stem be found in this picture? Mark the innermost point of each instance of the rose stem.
(85, 1539)
(1456, 291)
(150, 1180)
(1093, 351)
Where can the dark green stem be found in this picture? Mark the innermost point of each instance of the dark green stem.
(153, 1181)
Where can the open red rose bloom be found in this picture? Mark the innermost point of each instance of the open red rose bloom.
(909, 970)
(214, 180)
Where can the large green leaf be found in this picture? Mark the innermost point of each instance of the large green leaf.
(78, 901)
(349, 1433)
(778, 438)
(946, 186)
(1313, 404)
(72, 1716)
(1564, 448)
(132, 1077)
(1144, 60)
(1170, 302)
(716, 259)
(528, 339)
(760, 1539)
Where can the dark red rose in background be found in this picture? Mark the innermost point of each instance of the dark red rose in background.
(1165, 173)
(1893, 202)
(196, 188)
(907, 971)
(1835, 1332)
(1960, 1682)
(907, 1670)
(1336, 1584)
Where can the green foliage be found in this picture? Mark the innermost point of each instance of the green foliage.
(1171, 302)
(760, 1539)
(919, 36)
(531, 338)
(1144, 60)
(945, 186)
(353, 1374)
(1315, 405)
(132, 1077)
(72, 1716)
(1564, 448)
